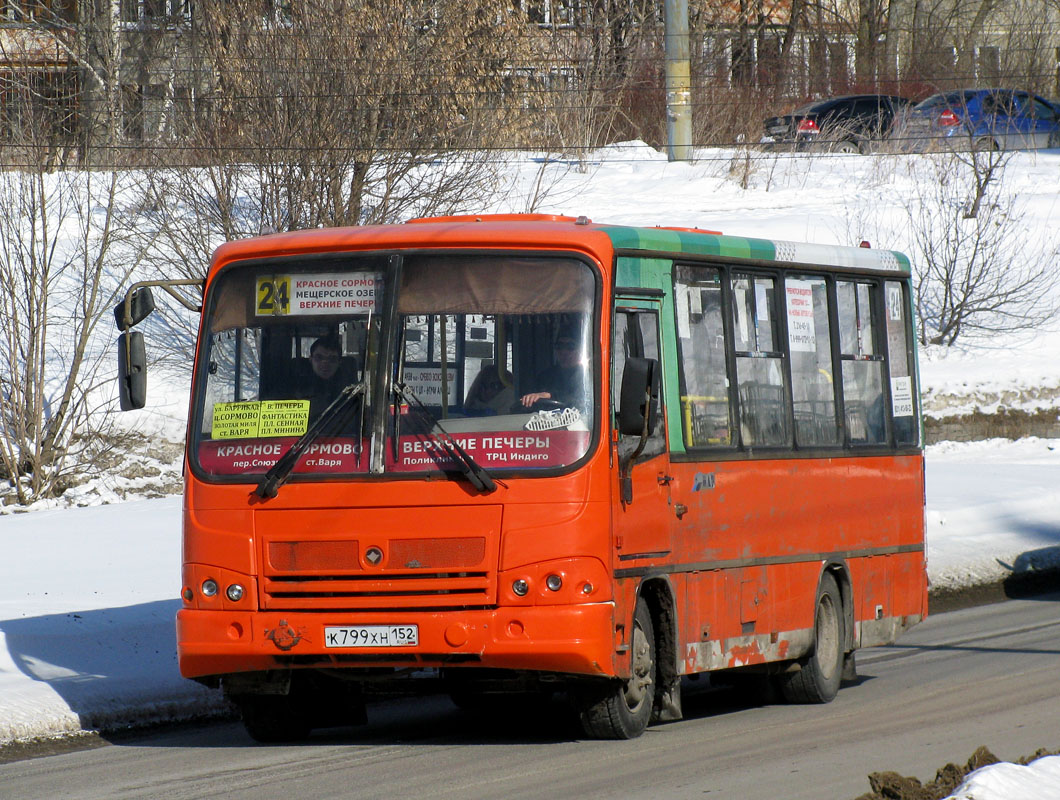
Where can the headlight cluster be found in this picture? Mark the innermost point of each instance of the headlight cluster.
(572, 580)
(204, 590)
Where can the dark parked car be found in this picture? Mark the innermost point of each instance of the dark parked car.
(990, 119)
(849, 124)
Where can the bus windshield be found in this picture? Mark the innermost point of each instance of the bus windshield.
(389, 362)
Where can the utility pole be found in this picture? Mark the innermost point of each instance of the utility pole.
(678, 82)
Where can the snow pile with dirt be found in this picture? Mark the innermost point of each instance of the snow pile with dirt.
(1039, 780)
(983, 777)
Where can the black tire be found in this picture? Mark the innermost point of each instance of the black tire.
(273, 718)
(984, 144)
(821, 672)
(622, 709)
(847, 146)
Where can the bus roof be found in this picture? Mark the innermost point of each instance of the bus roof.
(560, 232)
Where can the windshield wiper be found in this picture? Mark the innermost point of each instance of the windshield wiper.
(278, 473)
(474, 472)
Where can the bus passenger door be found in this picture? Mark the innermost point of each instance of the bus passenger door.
(642, 520)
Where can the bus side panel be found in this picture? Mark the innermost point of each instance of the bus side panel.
(759, 533)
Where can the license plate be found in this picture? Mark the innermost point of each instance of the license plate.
(372, 636)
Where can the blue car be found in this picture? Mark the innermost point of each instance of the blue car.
(988, 119)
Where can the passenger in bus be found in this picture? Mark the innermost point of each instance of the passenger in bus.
(491, 392)
(564, 381)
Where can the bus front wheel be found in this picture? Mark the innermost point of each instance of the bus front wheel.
(820, 673)
(273, 718)
(622, 709)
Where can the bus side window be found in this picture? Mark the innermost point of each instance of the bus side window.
(861, 363)
(809, 343)
(706, 415)
(903, 396)
(760, 372)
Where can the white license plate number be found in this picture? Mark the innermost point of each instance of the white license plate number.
(371, 636)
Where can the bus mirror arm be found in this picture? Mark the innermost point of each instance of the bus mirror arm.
(134, 308)
(637, 414)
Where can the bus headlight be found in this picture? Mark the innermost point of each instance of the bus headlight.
(209, 587)
(520, 587)
(554, 582)
(235, 592)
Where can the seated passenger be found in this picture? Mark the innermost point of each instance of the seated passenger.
(564, 381)
(491, 392)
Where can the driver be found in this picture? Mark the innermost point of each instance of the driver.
(325, 382)
(564, 381)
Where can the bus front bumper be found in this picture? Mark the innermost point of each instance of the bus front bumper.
(576, 639)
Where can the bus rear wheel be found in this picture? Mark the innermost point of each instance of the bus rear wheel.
(622, 709)
(820, 673)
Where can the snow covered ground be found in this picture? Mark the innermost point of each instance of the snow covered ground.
(88, 594)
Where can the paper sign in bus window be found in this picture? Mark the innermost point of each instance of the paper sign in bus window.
(902, 396)
(426, 382)
(309, 294)
(259, 419)
(802, 333)
(284, 418)
(894, 302)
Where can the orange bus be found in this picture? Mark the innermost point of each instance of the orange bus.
(532, 454)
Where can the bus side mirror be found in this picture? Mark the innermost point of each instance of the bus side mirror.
(140, 304)
(639, 397)
(132, 371)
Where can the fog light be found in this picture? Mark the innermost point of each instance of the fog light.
(554, 583)
(234, 592)
(587, 588)
(187, 594)
(520, 587)
(209, 587)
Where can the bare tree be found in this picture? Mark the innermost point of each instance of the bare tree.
(89, 39)
(593, 83)
(977, 272)
(335, 110)
(63, 255)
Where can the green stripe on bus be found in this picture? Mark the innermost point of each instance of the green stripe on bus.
(671, 241)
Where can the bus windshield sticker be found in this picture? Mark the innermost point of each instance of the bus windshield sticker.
(802, 334)
(259, 419)
(902, 396)
(308, 294)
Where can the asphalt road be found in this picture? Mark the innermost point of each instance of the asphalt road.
(988, 675)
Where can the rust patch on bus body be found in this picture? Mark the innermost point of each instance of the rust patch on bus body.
(742, 651)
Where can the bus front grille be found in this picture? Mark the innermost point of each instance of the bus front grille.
(414, 590)
(378, 558)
